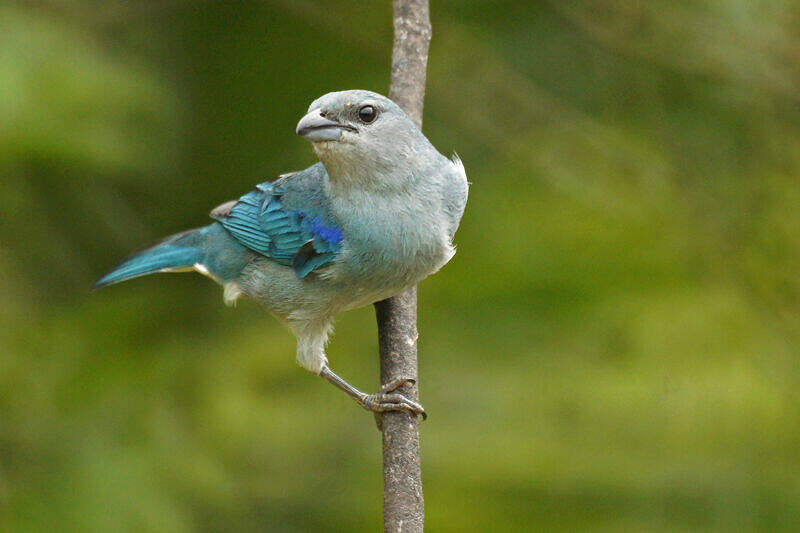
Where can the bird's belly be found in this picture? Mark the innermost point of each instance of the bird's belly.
(355, 278)
(363, 297)
(378, 273)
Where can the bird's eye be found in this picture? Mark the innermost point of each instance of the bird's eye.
(367, 114)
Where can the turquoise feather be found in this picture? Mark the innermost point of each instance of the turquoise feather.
(261, 221)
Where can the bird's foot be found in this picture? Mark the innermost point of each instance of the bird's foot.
(389, 400)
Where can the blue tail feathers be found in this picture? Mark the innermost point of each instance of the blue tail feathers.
(178, 251)
(210, 247)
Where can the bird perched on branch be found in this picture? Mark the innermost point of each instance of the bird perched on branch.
(374, 217)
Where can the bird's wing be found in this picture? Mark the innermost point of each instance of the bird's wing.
(286, 220)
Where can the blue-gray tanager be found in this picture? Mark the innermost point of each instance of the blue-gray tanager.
(374, 217)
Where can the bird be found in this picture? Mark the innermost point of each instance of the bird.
(373, 217)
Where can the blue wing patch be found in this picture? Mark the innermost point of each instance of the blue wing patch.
(304, 239)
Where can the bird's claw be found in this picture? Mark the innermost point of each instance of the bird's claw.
(385, 400)
(380, 403)
(396, 384)
(389, 400)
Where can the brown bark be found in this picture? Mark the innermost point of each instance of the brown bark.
(403, 502)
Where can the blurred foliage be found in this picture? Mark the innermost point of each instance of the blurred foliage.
(615, 347)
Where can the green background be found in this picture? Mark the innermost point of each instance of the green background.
(614, 347)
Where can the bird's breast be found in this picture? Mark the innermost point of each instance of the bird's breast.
(390, 243)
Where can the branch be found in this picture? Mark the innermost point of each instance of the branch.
(403, 503)
(412, 35)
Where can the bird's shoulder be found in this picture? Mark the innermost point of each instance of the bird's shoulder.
(287, 220)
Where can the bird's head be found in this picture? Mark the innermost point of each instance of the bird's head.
(359, 130)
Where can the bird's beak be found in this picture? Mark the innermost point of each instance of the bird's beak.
(317, 128)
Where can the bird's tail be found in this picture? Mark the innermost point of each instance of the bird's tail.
(179, 252)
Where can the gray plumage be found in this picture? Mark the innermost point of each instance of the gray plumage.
(375, 216)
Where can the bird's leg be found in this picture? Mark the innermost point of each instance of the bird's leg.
(385, 400)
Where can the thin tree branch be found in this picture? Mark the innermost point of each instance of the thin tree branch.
(412, 36)
(403, 502)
